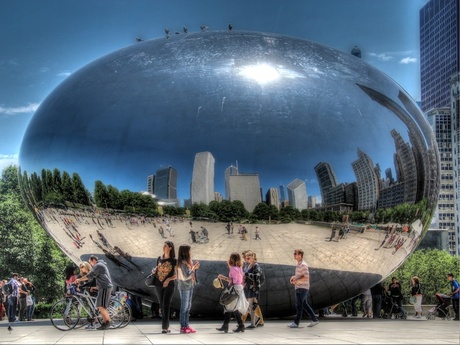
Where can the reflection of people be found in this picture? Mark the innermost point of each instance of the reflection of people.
(164, 288)
(235, 278)
(186, 279)
(455, 293)
(100, 271)
(301, 281)
(204, 233)
(257, 233)
(416, 290)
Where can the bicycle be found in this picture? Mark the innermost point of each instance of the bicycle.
(76, 310)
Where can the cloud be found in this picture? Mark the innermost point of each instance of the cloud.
(382, 56)
(29, 108)
(403, 57)
(7, 160)
(64, 74)
(408, 60)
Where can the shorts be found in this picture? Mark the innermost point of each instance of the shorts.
(103, 297)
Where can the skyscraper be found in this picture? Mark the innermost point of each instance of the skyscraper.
(439, 51)
(455, 112)
(202, 189)
(166, 183)
(245, 188)
(297, 193)
(440, 121)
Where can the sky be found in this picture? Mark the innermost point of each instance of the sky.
(43, 42)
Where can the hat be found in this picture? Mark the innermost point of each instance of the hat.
(217, 283)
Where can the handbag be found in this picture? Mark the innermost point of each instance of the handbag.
(29, 300)
(412, 300)
(228, 295)
(151, 280)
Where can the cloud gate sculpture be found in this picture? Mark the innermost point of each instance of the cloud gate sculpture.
(235, 120)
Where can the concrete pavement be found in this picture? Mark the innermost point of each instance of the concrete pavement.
(330, 330)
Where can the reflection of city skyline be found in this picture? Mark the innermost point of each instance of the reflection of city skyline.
(368, 192)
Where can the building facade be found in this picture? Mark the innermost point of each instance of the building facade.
(297, 194)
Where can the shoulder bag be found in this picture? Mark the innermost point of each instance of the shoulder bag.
(228, 295)
(151, 279)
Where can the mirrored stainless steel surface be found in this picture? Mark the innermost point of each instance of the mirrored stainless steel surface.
(234, 115)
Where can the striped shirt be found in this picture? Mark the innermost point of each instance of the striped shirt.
(302, 275)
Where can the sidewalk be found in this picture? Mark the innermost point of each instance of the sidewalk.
(330, 330)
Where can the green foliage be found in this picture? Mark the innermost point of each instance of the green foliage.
(431, 266)
(26, 248)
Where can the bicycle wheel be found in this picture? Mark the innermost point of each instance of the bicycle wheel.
(64, 314)
(116, 312)
(127, 314)
(85, 317)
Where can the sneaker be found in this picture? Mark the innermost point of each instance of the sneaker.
(313, 323)
(293, 325)
(418, 317)
(165, 331)
(103, 326)
(89, 326)
(190, 329)
(251, 327)
(185, 330)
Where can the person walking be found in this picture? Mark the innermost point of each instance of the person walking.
(416, 290)
(165, 271)
(186, 280)
(377, 293)
(454, 293)
(240, 306)
(396, 292)
(301, 281)
(100, 271)
(252, 283)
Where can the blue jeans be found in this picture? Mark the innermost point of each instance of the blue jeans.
(12, 307)
(301, 303)
(185, 306)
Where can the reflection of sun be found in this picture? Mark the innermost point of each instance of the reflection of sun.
(262, 73)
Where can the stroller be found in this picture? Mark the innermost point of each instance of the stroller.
(441, 308)
(391, 308)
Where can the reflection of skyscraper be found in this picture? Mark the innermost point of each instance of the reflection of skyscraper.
(440, 121)
(326, 180)
(166, 183)
(406, 168)
(245, 188)
(202, 189)
(273, 197)
(312, 201)
(150, 183)
(297, 193)
(230, 171)
(439, 51)
(367, 182)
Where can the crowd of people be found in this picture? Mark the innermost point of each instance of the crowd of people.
(18, 301)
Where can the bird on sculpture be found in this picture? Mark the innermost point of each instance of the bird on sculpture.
(230, 27)
(185, 29)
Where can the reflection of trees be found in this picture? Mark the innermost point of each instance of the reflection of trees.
(224, 211)
(53, 188)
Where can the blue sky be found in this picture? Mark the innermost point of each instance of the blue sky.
(43, 42)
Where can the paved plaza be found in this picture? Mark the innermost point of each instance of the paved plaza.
(330, 330)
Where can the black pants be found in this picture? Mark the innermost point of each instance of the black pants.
(165, 296)
(455, 306)
(228, 316)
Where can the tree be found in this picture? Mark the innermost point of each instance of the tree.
(431, 266)
(26, 248)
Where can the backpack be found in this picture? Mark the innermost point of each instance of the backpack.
(7, 289)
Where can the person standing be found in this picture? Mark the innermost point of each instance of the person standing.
(377, 293)
(30, 308)
(164, 288)
(100, 271)
(13, 298)
(454, 293)
(235, 278)
(301, 281)
(396, 292)
(416, 290)
(186, 280)
(253, 274)
(23, 293)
